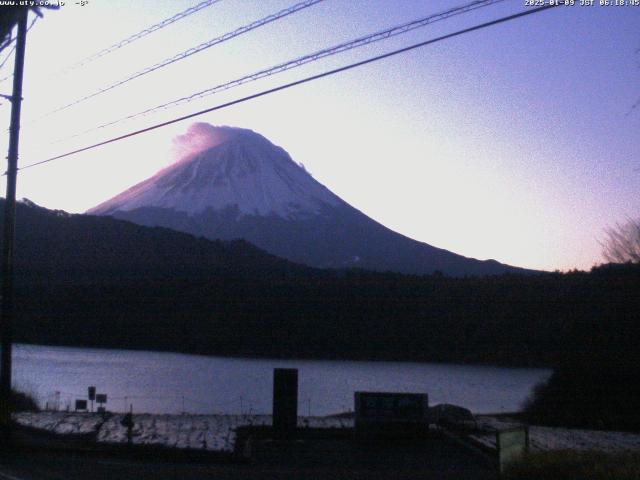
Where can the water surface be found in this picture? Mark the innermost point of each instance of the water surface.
(159, 382)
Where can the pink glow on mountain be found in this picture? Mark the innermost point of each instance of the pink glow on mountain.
(221, 167)
(199, 137)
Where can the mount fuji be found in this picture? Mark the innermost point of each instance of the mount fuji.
(234, 183)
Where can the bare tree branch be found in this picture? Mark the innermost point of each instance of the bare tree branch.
(622, 244)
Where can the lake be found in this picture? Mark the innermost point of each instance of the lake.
(159, 382)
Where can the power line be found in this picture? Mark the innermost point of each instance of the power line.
(143, 33)
(342, 47)
(7, 42)
(296, 83)
(7, 58)
(191, 51)
(12, 50)
(134, 37)
(3, 79)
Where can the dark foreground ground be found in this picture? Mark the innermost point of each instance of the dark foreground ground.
(339, 458)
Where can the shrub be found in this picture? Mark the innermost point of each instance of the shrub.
(23, 402)
(573, 465)
(596, 395)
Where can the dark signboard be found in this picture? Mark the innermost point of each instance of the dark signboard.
(81, 405)
(92, 393)
(101, 397)
(285, 399)
(373, 408)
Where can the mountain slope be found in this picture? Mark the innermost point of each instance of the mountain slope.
(237, 184)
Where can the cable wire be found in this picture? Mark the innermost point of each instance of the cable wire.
(342, 47)
(191, 51)
(7, 57)
(12, 50)
(296, 83)
(141, 34)
(6, 43)
(4, 79)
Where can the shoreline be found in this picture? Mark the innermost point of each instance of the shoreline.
(531, 366)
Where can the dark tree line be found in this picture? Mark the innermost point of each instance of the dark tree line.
(97, 281)
(508, 320)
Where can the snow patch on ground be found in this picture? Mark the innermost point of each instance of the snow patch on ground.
(205, 432)
(554, 438)
(61, 422)
(218, 432)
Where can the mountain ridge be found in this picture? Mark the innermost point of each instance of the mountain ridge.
(234, 183)
(57, 247)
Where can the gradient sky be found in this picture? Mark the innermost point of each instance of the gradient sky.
(514, 142)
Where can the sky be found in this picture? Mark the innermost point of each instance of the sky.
(517, 142)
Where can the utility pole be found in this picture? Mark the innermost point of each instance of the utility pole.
(6, 318)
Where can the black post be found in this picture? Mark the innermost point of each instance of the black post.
(285, 401)
(6, 327)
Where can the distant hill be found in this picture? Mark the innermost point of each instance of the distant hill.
(54, 247)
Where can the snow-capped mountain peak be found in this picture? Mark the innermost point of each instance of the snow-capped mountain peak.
(233, 183)
(225, 167)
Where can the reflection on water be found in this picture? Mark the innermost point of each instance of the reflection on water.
(158, 382)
